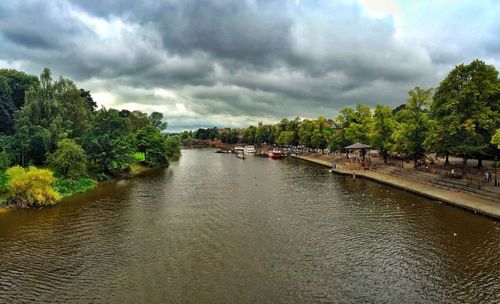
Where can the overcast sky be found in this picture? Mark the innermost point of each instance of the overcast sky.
(234, 63)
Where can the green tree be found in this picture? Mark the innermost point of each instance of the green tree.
(138, 120)
(287, 138)
(249, 135)
(466, 111)
(381, 130)
(153, 144)
(305, 132)
(109, 142)
(156, 119)
(413, 125)
(4, 179)
(173, 146)
(6, 107)
(358, 128)
(75, 110)
(13, 85)
(496, 138)
(39, 124)
(69, 159)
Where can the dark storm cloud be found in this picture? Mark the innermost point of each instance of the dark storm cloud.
(234, 62)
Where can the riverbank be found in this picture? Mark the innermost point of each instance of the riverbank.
(457, 198)
(69, 187)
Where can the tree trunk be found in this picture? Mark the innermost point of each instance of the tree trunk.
(447, 159)
(415, 162)
(385, 158)
(464, 162)
(479, 163)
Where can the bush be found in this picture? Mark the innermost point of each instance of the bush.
(31, 187)
(69, 160)
(4, 179)
(66, 186)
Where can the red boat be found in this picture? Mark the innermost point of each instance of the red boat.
(274, 154)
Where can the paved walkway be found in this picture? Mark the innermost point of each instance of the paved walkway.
(457, 198)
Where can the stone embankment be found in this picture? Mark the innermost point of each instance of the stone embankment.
(484, 204)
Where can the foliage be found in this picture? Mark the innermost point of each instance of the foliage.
(287, 138)
(69, 159)
(358, 128)
(39, 124)
(496, 138)
(203, 134)
(381, 130)
(412, 126)
(173, 146)
(229, 136)
(139, 156)
(4, 179)
(13, 85)
(109, 142)
(67, 186)
(153, 144)
(31, 187)
(465, 110)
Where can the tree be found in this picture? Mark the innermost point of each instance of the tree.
(156, 119)
(138, 120)
(173, 146)
(305, 132)
(249, 135)
(4, 179)
(13, 85)
(466, 111)
(412, 126)
(153, 144)
(109, 142)
(6, 107)
(31, 187)
(359, 125)
(69, 159)
(91, 105)
(75, 110)
(496, 138)
(381, 130)
(39, 124)
(287, 138)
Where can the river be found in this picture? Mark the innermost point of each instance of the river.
(216, 229)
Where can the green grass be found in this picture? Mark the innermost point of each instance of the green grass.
(139, 156)
(67, 187)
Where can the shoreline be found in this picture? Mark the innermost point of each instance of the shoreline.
(136, 172)
(459, 199)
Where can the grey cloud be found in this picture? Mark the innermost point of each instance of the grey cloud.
(228, 61)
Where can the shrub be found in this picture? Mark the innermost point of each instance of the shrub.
(66, 186)
(69, 160)
(4, 179)
(31, 187)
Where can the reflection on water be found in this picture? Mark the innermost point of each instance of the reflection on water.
(213, 228)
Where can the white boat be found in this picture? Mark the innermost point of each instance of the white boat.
(249, 149)
(238, 149)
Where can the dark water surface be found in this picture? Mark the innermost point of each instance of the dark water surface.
(215, 229)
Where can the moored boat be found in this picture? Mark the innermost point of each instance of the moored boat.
(274, 154)
(238, 149)
(249, 149)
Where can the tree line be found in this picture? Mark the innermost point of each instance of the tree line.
(56, 125)
(460, 118)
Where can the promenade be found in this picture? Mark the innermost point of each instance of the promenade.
(485, 206)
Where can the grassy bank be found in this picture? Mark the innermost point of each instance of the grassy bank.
(67, 187)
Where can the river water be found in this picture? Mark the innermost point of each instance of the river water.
(215, 229)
